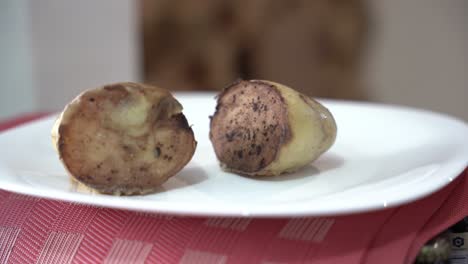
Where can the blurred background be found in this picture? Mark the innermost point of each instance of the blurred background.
(408, 52)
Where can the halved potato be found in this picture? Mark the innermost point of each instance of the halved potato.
(262, 128)
(124, 138)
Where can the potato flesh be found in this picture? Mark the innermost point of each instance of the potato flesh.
(307, 128)
(131, 116)
(313, 131)
(124, 139)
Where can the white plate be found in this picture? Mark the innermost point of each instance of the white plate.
(384, 156)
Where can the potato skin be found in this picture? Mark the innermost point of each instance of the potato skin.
(123, 138)
(262, 128)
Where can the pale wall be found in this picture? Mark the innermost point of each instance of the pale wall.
(50, 50)
(16, 90)
(419, 56)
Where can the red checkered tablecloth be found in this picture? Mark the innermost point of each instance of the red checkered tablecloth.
(35, 230)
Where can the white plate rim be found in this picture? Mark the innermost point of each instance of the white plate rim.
(451, 172)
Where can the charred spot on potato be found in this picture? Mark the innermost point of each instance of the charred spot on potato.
(114, 87)
(157, 152)
(179, 121)
(261, 125)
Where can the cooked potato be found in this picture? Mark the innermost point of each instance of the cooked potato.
(262, 128)
(124, 138)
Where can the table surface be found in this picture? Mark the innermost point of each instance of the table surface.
(34, 230)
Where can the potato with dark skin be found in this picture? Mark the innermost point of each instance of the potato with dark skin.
(262, 128)
(123, 138)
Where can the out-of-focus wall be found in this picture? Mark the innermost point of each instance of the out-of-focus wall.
(419, 54)
(50, 50)
(82, 44)
(16, 90)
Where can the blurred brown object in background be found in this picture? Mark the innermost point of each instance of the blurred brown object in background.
(314, 46)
